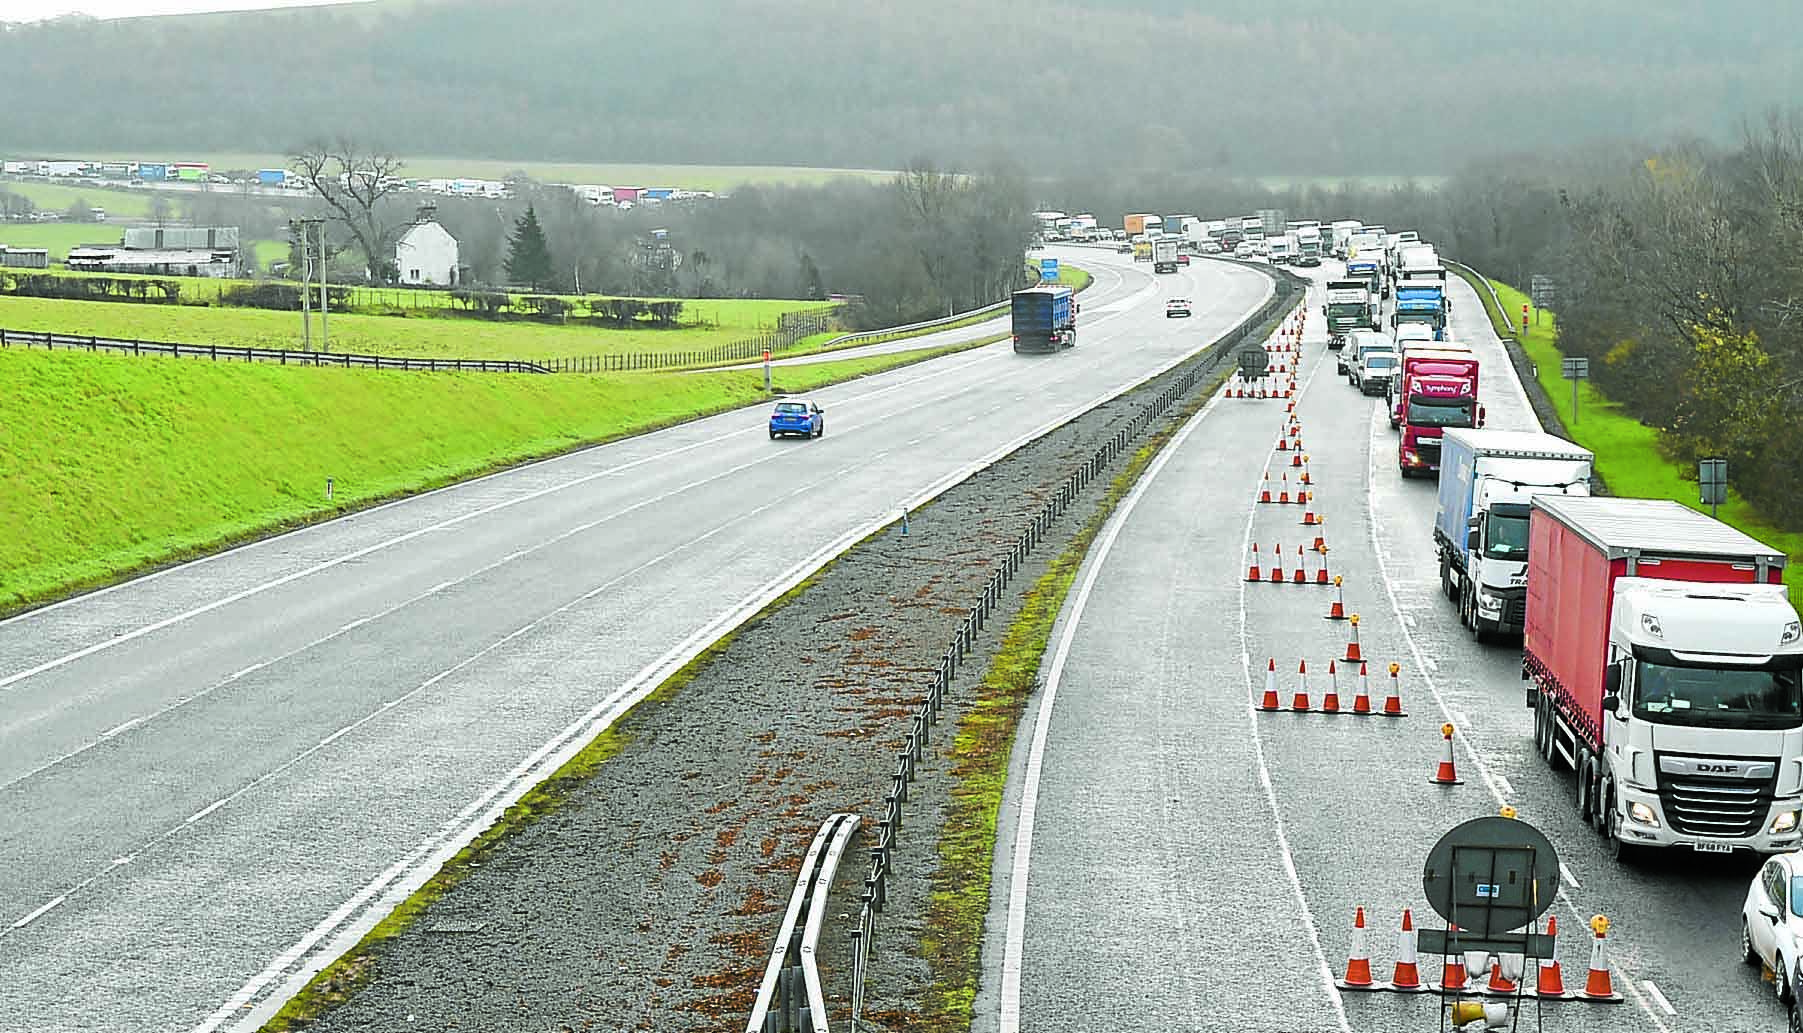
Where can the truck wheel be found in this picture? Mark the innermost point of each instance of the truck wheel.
(1624, 853)
(1446, 583)
(1542, 730)
(1581, 784)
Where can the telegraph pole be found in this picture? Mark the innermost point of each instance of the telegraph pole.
(325, 339)
(297, 231)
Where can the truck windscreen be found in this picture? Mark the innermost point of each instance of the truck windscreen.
(1718, 697)
(1434, 412)
(1346, 309)
(1506, 532)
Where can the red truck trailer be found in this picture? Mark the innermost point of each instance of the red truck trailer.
(1437, 389)
(1663, 657)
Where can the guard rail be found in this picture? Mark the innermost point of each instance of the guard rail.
(281, 356)
(791, 999)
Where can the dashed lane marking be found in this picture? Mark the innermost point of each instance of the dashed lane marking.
(39, 913)
(1653, 991)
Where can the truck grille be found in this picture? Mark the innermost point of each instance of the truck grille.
(1429, 451)
(1699, 805)
(1515, 610)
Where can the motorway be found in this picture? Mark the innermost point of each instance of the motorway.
(217, 777)
(1171, 859)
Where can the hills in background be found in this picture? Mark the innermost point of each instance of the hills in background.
(1309, 87)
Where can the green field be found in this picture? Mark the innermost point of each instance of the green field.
(1628, 452)
(424, 336)
(684, 177)
(113, 464)
(122, 201)
(59, 237)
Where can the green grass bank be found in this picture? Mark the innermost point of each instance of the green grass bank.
(1629, 454)
(115, 465)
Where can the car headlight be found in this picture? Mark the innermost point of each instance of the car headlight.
(1641, 814)
(1792, 632)
(1784, 822)
(1488, 602)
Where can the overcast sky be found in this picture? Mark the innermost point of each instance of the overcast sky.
(32, 10)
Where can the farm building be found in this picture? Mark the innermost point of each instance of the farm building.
(24, 258)
(214, 262)
(426, 255)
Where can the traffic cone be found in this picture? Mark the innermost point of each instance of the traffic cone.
(1283, 494)
(1599, 985)
(1296, 462)
(1330, 703)
(1264, 493)
(1295, 427)
(1269, 703)
(1337, 612)
(1393, 702)
(1361, 703)
(1358, 961)
(1446, 774)
(1277, 564)
(1407, 977)
(1252, 571)
(1283, 443)
(1353, 655)
(1505, 975)
(1299, 702)
(1453, 976)
(1551, 982)
(1301, 576)
(1321, 574)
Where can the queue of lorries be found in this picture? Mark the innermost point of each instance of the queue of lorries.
(1663, 657)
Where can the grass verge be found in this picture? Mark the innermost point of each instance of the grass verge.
(952, 939)
(339, 981)
(116, 465)
(1629, 454)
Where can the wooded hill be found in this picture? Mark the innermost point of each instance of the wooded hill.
(1250, 88)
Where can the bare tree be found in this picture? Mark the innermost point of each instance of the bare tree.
(353, 183)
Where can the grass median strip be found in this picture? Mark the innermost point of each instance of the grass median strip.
(1629, 454)
(115, 465)
(952, 939)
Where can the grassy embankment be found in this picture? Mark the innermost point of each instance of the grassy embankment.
(444, 338)
(114, 464)
(1629, 454)
(118, 201)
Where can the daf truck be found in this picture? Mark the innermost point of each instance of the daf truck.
(1488, 478)
(1164, 254)
(1349, 307)
(1663, 659)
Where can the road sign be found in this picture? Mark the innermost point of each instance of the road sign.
(1542, 291)
(1491, 877)
(1254, 361)
(1048, 268)
(1574, 369)
(1712, 480)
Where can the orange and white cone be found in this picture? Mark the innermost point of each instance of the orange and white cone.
(1446, 774)
(1264, 492)
(1353, 655)
(1599, 985)
(1453, 976)
(1277, 564)
(1330, 703)
(1269, 703)
(1299, 701)
(1505, 975)
(1393, 702)
(1296, 461)
(1337, 612)
(1283, 443)
(1283, 491)
(1358, 960)
(1300, 576)
(1551, 982)
(1407, 977)
(1252, 571)
(1361, 703)
(1309, 519)
(1321, 574)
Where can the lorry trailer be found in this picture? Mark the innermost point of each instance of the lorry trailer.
(1164, 254)
(1488, 479)
(1044, 318)
(1663, 656)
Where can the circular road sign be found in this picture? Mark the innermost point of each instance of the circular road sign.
(1491, 875)
(1254, 361)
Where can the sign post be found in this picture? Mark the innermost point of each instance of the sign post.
(1573, 369)
(1542, 291)
(1524, 319)
(1712, 479)
(1048, 269)
(766, 371)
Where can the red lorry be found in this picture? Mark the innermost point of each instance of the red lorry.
(1663, 657)
(1436, 389)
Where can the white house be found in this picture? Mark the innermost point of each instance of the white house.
(427, 254)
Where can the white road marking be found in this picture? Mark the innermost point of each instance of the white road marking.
(1565, 873)
(120, 727)
(1463, 732)
(335, 736)
(1508, 787)
(1653, 991)
(252, 669)
(204, 811)
(360, 621)
(39, 913)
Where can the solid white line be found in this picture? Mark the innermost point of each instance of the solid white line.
(1565, 873)
(39, 913)
(335, 736)
(1653, 991)
(1462, 731)
(120, 727)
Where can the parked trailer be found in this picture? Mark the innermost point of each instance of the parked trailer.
(1663, 658)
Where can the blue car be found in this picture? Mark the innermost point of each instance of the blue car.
(792, 417)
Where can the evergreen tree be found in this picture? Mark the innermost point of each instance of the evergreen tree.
(528, 256)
